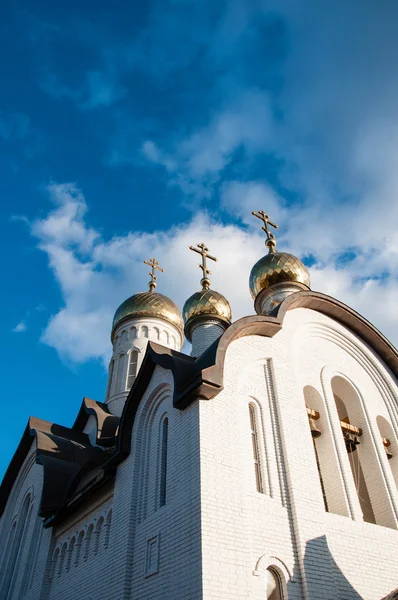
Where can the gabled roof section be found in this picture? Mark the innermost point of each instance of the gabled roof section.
(107, 424)
(64, 454)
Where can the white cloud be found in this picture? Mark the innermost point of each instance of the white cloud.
(195, 163)
(20, 327)
(96, 275)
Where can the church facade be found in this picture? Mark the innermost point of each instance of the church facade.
(263, 465)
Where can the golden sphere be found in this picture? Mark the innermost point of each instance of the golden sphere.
(277, 267)
(206, 303)
(149, 304)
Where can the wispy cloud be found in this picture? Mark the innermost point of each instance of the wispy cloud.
(20, 327)
(96, 274)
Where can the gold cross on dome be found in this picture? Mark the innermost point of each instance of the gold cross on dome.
(270, 241)
(155, 267)
(204, 252)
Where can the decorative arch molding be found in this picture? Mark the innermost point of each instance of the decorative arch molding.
(266, 404)
(273, 563)
(327, 375)
(152, 409)
(267, 561)
(364, 357)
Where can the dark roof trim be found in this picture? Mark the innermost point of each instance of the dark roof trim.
(107, 424)
(64, 455)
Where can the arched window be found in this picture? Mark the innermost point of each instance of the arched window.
(33, 555)
(273, 585)
(132, 372)
(15, 548)
(62, 559)
(98, 530)
(352, 440)
(133, 333)
(110, 376)
(121, 372)
(255, 447)
(163, 462)
(88, 541)
(54, 563)
(144, 331)
(329, 473)
(79, 544)
(156, 333)
(390, 445)
(123, 336)
(70, 553)
(107, 526)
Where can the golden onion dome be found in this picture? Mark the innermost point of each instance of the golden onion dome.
(149, 304)
(277, 267)
(206, 303)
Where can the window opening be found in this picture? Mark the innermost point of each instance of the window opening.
(273, 585)
(132, 373)
(256, 456)
(351, 435)
(163, 463)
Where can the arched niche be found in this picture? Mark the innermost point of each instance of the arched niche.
(273, 578)
(331, 481)
(366, 472)
(387, 433)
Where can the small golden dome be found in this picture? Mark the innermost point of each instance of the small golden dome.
(149, 304)
(277, 267)
(206, 303)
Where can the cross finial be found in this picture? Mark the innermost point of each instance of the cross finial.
(270, 242)
(155, 266)
(204, 252)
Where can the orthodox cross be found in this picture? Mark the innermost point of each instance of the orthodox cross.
(204, 252)
(155, 266)
(270, 241)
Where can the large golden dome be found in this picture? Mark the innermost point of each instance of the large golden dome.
(149, 304)
(206, 303)
(277, 267)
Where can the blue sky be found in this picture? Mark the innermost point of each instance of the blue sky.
(130, 130)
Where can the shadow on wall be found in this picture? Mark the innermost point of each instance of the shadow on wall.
(323, 575)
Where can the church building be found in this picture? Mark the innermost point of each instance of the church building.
(264, 465)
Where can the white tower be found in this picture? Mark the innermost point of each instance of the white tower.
(207, 314)
(142, 317)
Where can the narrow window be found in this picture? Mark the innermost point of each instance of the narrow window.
(107, 526)
(98, 534)
(70, 553)
(256, 457)
(390, 445)
(273, 585)
(110, 375)
(132, 373)
(15, 550)
(88, 541)
(79, 544)
(352, 442)
(163, 463)
(62, 559)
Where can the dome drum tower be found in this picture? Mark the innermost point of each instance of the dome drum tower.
(146, 316)
(207, 313)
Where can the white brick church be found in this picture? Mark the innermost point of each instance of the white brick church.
(264, 465)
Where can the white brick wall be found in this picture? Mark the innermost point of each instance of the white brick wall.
(216, 535)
